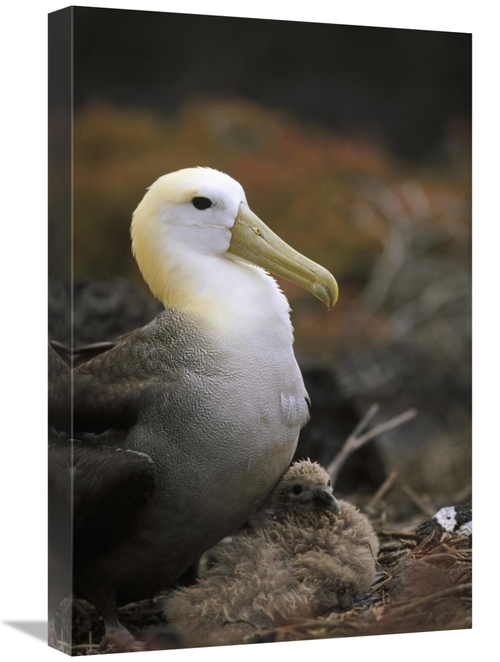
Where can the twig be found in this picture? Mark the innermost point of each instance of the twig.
(428, 510)
(354, 442)
(382, 491)
(426, 305)
(347, 448)
(363, 423)
(385, 427)
(451, 592)
(424, 543)
(84, 646)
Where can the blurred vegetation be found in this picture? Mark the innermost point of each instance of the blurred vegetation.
(315, 189)
(295, 177)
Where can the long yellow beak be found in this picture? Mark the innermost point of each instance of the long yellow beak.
(255, 242)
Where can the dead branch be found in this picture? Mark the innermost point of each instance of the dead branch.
(356, 439)
(426, 305)
(451, 592)
(382, 491)
(426, 508)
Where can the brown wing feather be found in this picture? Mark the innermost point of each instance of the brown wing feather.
(109, 389)
(107, 385)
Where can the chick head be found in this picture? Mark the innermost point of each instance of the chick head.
(304, 489)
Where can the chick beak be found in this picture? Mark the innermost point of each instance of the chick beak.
(254, 241)
(325, 499)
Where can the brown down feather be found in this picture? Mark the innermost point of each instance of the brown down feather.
(305, 563)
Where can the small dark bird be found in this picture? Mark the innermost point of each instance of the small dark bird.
(318, 554)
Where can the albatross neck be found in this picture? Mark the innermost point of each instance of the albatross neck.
(232, 297)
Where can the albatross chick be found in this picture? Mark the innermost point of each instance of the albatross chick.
(317, 554)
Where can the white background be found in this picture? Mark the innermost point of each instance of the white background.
(23, 263)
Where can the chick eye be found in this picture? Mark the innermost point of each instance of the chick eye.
(329, 483)
(297, 489)
(201, 203)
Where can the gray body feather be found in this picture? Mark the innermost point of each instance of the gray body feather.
(220, 419)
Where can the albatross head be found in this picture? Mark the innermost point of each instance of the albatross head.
(194, 238)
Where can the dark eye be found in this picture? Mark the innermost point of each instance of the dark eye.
(329, 483)
(201, 203)
(297, 489)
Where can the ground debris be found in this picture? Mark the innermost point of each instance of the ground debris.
(422, 584)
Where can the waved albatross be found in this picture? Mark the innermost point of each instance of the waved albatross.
(210, 389)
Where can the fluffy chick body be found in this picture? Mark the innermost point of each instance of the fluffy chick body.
(308, 561)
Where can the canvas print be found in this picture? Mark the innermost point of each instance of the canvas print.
(259, 331)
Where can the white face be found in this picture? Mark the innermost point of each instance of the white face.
(195, 210)
(193, 235)
(181, 232)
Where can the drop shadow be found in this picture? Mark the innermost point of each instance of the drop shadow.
(37, 629)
